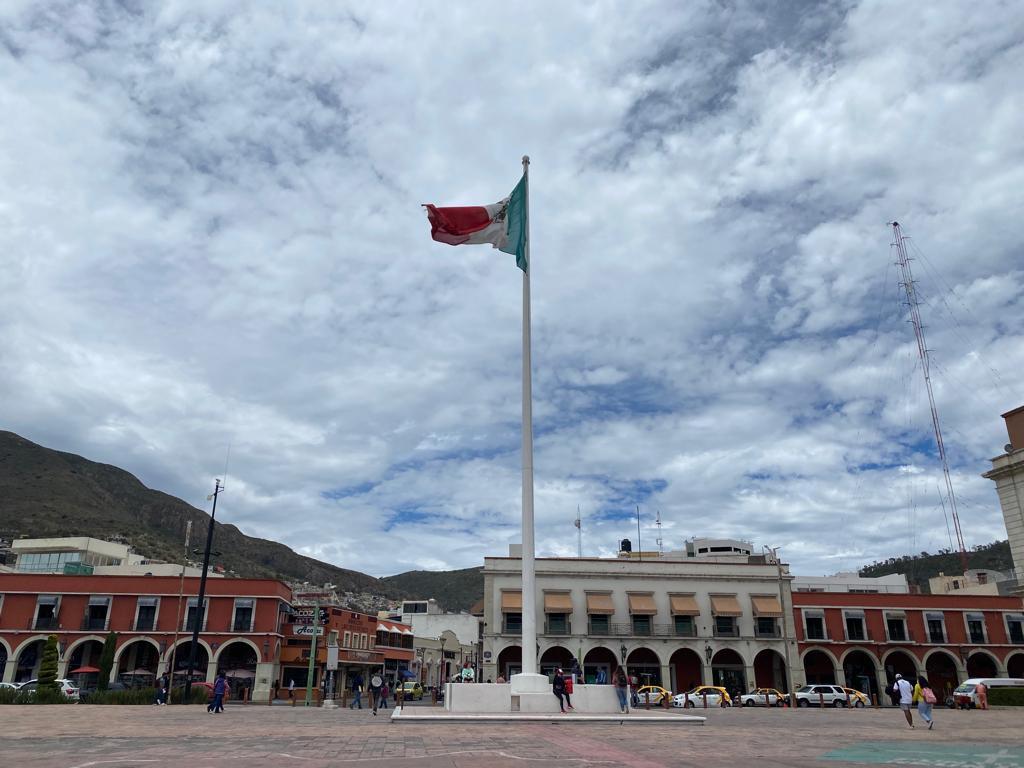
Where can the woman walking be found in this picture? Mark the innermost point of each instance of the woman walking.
(924, 697)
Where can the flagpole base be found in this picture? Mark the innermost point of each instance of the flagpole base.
(529, 683)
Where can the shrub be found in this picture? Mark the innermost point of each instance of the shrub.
(1006, 697)
(142, 696)
(39, 696)
(107, 661)
(48, 666)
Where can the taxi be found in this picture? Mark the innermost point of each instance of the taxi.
(760, 697)
(654, 693)
(857, 699)
(716, 697)
(411, 690)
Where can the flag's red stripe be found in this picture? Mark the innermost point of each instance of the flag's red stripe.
(455, 225)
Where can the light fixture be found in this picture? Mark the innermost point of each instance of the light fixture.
(708, 652)
(266, 648)
(163, 646)
(622, 652)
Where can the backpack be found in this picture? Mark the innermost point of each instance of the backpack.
(929, 695)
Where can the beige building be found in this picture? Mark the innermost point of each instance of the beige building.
(676, 622)
(977, 581)
(1008, 474)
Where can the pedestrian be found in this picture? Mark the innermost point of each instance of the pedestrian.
(602, 676)
(905, 691)
(621, 686)
(161, 690)
(357, 692)
(576, 671)
(384, 691)
(376, 682)
(924, 697)
(558, 688)
(291, 689)
(501, 679)
(981, 691)
(220, 687)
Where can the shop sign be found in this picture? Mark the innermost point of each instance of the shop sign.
(308, 630)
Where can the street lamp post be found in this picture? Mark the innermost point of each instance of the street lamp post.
(785, 631)
(201, 601)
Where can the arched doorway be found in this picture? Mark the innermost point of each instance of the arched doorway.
(643, 664)
(899, 663)
(980, 664)
(510, 662)
(727, 671)
(598, 665)
(3, 661)
(1015, 665)
(181, 656)
(859, 669)
(29, 658)
(554, 658)
(770, 670)
(137, 663)
(84, 663)
(687, 670)
(940, 669)
(819, 669)
(237, 660)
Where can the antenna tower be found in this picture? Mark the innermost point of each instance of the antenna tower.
(657, 522)
(907, 283)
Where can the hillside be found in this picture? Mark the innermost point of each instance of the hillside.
(920, 568)
(454, 590)
(49, 493)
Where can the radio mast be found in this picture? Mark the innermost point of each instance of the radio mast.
(907, 283)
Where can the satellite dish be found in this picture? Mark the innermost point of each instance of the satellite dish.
(1008, 447)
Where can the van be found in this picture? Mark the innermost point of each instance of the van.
(964, 697)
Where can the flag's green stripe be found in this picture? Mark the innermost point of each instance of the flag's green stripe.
(516, 218)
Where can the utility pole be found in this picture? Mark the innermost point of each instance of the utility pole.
(201, 601)
(312, 652)
(177, 616)
(785, 632)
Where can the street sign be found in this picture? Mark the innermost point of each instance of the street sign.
(308, 630)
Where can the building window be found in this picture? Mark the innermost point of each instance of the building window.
(766, 626)
(976, 628)
(599, 624)
(983, 578)
(557, 624)
(684, 626)
(96, 614)
(347, 642)
(641, 625)
(366, 641)
(855, 627)
(814, 626)
(896, 626)
(512, 623)
(145, 614)
(242, 620)
(1015, 628)
(936, 628)
(725, 626)
(191, 612)
(47, 609)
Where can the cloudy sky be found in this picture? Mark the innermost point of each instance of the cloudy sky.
(211, 234)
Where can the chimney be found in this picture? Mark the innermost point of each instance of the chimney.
(1015, 428)
(625, 546)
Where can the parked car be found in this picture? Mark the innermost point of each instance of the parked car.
(760, 697)
(818, 695)
(653, 692)
(716, 696)
(857, 699)
(412, 690)
(965, 696)
(68, 688)
(11, 686)
(85, 693)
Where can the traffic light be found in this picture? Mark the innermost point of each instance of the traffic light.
(324, 615)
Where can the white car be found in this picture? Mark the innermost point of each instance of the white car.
(68, 688)
(695, 697)
(10, 686)
(763, 697)
(821, 695)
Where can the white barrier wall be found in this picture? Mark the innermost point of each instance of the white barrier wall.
(495, 698)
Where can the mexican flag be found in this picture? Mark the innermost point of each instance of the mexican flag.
(503, 224)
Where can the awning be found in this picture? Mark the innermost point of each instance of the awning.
(642, 605)
(600, 604)
(557, 602)
(512, 602)
(684, 605)
(407, 631)
(768, 607)
(725, 605)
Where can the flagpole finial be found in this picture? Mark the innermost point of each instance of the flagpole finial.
(526, 159)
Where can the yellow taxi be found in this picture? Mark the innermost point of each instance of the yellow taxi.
(655, 693)
(857, 699)
(411, 690)
(771, 697)
(716, 697)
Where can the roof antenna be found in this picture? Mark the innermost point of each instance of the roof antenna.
(657, 522)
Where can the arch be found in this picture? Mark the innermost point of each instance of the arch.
(644, 665)
(244, 640)
(238, 660)
(820, 666)
(510, 661)
(5, 654)
(899, 662)
(942, 671)
(5, 648)
(186, 641)
(121, 648)
(554, 657)
(860, 671)
(28, 657)
(728, 670)
(85, 652)
(1015, 665)
(687, 668)
(982, 664)
(598, 664)
(137, 662)
(181, 656)
(70, 651)
(770, 670)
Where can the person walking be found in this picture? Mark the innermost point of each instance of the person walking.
(621, 686)
(384, 691)
(906, 693)
(291, 689)
(558, 688)
(376, 683)
(357, 692)
(220, 687)
(981, 691)
(924, 697)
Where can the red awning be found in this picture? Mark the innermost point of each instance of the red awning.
(84, 670)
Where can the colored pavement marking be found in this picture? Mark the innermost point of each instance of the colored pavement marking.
(940, 756)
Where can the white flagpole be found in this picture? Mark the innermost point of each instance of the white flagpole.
(529, 572)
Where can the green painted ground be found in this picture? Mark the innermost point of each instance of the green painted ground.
(939, 755)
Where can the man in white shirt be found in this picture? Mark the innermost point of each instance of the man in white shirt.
(906, 692)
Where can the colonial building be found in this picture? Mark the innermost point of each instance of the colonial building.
(153, 617)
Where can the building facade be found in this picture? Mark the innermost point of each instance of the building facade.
(153, 617)
(1008, 474)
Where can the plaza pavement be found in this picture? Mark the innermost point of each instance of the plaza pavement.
(80, 736)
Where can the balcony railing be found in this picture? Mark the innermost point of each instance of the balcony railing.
(773, 632)
(45, 622)
(511, 629)
(144, 625)
(727, 631)
(92, 624)
(558, 628)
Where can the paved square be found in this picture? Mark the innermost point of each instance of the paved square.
(259, 737)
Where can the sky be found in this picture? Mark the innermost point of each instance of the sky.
(211, 243)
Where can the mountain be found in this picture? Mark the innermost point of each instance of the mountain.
(453, 590)
(920, 568)
(44, 492)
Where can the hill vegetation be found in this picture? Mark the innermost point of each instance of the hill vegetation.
(454, 590)
(919, 568)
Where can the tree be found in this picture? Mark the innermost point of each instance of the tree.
(48, 666)
(107, 661)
